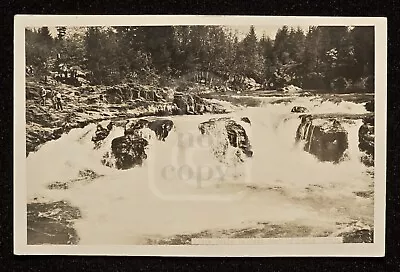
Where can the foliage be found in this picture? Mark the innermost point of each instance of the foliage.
(319, 58)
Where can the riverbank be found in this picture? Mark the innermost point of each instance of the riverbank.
(85, 105)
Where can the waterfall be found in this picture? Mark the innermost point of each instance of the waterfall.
(183, 187)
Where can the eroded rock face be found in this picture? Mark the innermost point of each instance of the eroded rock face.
(227, 132)
(193, 104)
(185, 103)
(366, 138)
(126, 152)
(325, 139)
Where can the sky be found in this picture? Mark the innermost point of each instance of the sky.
(242, 30)
(269, 30)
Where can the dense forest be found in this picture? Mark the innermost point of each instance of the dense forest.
(324, 57)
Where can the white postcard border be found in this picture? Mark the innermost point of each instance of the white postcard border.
(376, 249)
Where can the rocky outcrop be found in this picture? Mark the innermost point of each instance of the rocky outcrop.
(128, 92)
(194, 104)
(52, 223)
(160, 127)
(299, 109)
(102, 132)
(324, 138)
(366, 138)
(185, 103)
(91, 104)
(133, 127)
(129, 150)
(227, 132)
(126, 152)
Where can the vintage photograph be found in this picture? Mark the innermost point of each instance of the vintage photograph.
(207, 134)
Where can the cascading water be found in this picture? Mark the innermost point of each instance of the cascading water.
(184, 188)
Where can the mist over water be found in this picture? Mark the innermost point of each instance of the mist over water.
(183, 188)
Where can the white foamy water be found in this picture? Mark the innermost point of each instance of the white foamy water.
(183, 188)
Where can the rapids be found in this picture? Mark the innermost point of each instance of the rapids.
(183, 189)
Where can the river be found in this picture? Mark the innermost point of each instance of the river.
(182, 189)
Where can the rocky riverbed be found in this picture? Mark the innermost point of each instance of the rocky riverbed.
(90, 104)
(290, 168)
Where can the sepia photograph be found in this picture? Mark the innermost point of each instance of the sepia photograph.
(195, 133)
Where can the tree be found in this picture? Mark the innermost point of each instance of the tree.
(61, 31)
(364, 49)
(45, 36)
(281, 44)
(268, 56)
(38, 47)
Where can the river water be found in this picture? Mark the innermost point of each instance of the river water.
(183, 189)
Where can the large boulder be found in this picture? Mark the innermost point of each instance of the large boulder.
(101, 133)
(126, 152)
(227, 132)
(324, 138)
(366, 138)
(161, 128)
(299, 109)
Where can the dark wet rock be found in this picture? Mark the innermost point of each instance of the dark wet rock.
(366, 139)
(324, 138)
(91, 104)
(359, 236)
(127, 151)
(235, 135)
(102, 132)
(246, 120)
(58, 186)
(365, 194)
(260, 230)
(370, 106)
(161, 128)
(88, 174)
(85, 175)
(299, 109)
(52, 223)
(133, 127)
(194, 104)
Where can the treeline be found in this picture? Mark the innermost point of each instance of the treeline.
(325, 57)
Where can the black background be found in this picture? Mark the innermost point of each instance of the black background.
(389, 9)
